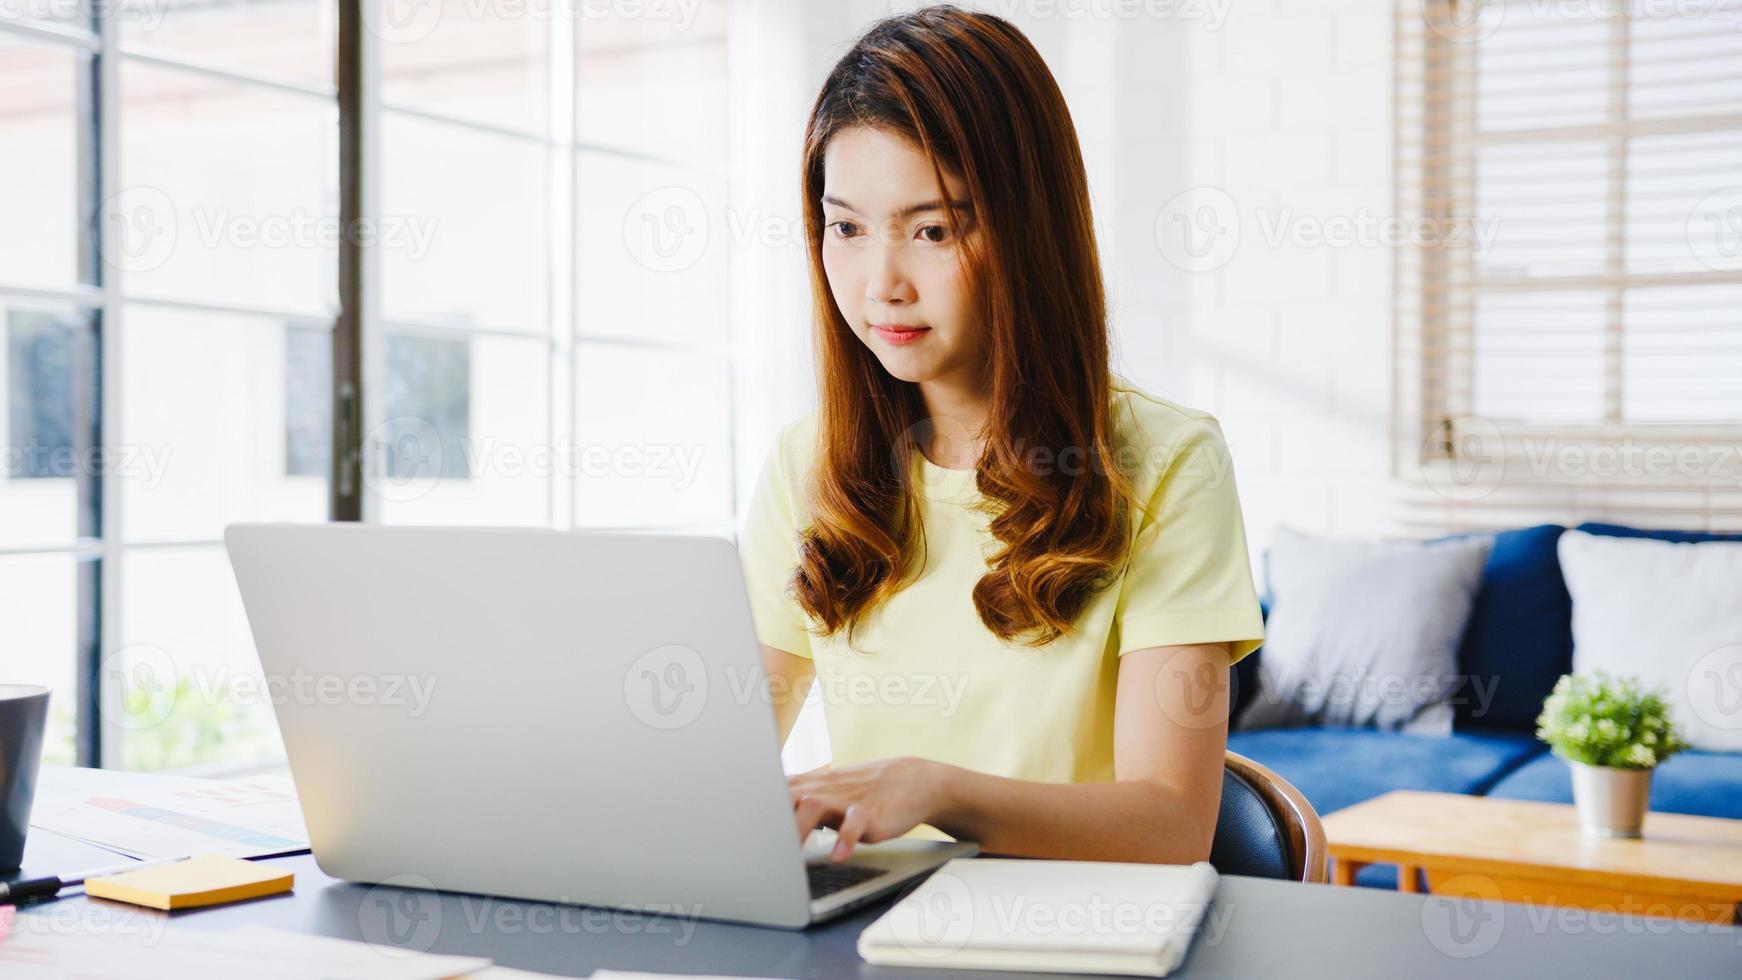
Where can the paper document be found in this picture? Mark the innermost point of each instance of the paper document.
(38, 952)
(143, 815)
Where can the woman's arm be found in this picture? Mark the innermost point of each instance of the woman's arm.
(789, 682)
(1170, 736)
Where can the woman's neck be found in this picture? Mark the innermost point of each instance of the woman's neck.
(958, 413)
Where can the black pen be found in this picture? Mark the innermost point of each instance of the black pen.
(15, 892)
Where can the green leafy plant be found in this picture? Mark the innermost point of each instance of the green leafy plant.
(1607, 721)
(179, 727)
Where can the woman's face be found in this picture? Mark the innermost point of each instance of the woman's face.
(896, 266)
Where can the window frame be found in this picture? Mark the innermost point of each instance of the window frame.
(1484, 472)
(357, 324)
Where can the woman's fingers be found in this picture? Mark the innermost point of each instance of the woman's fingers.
(812, 812)
(854, 823)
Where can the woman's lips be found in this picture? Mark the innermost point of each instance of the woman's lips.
(899, 333)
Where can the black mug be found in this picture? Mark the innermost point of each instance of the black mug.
(23, 715)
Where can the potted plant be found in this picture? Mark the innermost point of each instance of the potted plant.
(1611, 733)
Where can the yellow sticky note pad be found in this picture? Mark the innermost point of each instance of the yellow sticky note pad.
(206, 879)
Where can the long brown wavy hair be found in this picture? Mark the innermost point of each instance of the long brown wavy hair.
(974, 95)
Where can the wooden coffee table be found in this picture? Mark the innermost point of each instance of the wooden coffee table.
(1685, 867)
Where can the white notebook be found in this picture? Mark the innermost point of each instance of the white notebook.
(1057, 916)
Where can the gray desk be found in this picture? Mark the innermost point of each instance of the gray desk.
(1257, 928)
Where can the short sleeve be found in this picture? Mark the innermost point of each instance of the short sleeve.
(1189, 579)
(768, 551)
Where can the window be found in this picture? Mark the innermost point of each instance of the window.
(39, 396)
(1570, 333)
(429, 388)
(179, 299)
(308, 401)
(551, 337)
(158, 274)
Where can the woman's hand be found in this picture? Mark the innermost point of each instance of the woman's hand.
(871, 802)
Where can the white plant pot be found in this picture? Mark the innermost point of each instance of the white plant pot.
(1612, 802)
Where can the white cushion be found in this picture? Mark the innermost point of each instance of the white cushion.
(1364, 634)
(1671, 615)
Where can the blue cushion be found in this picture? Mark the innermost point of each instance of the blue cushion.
(1519, 639)
(1705, 783)
(1680, 537)
(1338, 767)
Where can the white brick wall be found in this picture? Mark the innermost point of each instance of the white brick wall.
(1288, 110)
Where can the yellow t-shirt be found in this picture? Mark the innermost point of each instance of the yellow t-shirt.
(928, 679)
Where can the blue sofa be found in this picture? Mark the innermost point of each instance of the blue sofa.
(1517, 642)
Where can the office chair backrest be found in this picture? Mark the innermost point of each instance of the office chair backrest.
(1266, 828)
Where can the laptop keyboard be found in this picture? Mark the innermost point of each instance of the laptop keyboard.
(827, 879)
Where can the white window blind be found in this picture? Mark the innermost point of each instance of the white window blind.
(1569, 342)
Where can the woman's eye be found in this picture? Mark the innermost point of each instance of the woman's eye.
(844, 229)
(935, 234)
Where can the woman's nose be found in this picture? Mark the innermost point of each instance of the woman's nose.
(888, 282)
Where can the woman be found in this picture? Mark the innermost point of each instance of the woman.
(1018, 581)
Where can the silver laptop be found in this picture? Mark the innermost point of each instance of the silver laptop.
(572, 717)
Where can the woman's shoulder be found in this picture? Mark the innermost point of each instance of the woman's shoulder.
(1160, 439)
(1139, 415)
